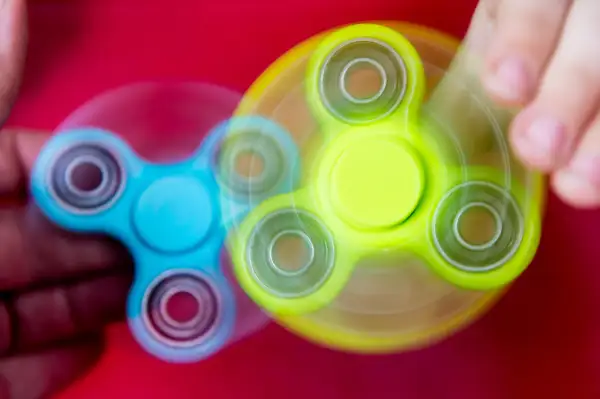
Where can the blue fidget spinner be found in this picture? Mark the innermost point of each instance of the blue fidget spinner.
(172, 217)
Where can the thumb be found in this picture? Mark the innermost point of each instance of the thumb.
(469, 62)
(19, 149)
(460, 99)
(481, 29)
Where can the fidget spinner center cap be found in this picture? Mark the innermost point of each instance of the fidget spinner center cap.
(174, 214)
(377, 183)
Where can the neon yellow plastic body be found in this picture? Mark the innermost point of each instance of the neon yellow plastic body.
(347, 185)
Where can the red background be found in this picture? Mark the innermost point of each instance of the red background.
(542, 340)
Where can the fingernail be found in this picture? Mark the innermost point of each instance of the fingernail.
(586, 167)
(509, 81)
(546, 136)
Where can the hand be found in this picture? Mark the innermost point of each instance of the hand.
(543, 55)
(57, 290)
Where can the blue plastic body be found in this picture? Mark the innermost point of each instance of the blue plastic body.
(171, 217)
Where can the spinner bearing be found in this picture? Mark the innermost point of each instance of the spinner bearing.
(395, 188)
(172, 216)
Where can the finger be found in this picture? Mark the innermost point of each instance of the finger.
(458, 99)
(42, 375)
(38, 319)
(482, 27)
(18, 151)
(13, 43)
(34, 251)
(578, 184)
(544, 135)
(525, 37)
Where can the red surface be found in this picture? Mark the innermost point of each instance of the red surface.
(542, 340)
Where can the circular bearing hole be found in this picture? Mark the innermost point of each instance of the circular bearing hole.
(86, 175)
(249, 164)
(477, 226)
(497, 239)
(182, 309)
(291, 252)
(86, 178)
(269, 253)
(363, 80)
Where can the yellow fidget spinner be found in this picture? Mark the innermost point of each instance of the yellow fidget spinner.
(411, 217)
